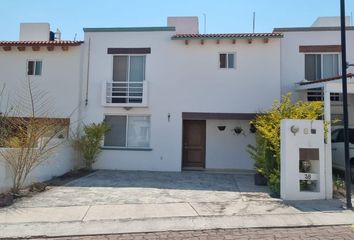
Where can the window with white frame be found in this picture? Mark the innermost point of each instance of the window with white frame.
(318, 66)
(227, 60)
(128, 131)
(316, 94)
(128, 77)
(127, 68)
(34, 67)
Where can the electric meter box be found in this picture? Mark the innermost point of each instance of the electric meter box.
(302, 155)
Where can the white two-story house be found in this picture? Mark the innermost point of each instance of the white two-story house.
(176, 99)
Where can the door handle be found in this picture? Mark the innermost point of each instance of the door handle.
(334, 149)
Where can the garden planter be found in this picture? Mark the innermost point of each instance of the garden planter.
(260, 179)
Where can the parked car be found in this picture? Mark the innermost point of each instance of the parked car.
(338, 149)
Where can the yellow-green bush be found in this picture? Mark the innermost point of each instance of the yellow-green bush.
(266, 152)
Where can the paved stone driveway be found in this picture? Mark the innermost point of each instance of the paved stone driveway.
(323, 233)
(132, 187)
(140, 187)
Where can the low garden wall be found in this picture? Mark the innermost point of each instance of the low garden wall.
(58, 164)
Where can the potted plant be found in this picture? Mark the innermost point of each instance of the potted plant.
(238, 130)
(262, 158)
(260, 179)
(221, 128)
(253, 128)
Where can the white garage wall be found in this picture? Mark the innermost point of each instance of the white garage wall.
(225, 149)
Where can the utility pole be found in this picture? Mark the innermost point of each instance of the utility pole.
(345, 106)
(205, 22)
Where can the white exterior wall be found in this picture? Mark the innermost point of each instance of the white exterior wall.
(181, 78)
(60, 79)
(293, 62)
(225, 149)
(58, 164)
(290, 159)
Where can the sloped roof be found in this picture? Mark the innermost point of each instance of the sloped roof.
(349, 75)
(41, 43)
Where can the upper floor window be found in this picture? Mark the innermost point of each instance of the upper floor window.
(227, 60)
(318, 66)
(34, 67)
(128, 77)
(128, 68)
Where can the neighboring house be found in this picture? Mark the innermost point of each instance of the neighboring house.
(310, 69)
(314, 53)
(166, 90)
(54, 67)
(175, 99)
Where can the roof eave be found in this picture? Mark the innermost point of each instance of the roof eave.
(310, 29)
(15, 44)
(240, 37)
(131, 29)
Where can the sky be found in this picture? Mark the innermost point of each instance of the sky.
(222, 16)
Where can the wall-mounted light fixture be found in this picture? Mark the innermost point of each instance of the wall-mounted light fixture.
(294, 129)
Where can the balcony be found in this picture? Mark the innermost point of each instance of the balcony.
(124, 94)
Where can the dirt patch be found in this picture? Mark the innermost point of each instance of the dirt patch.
(68, 177)
(7, 199)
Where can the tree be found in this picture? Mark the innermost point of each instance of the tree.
(31, 134)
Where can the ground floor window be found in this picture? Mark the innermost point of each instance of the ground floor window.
(128, 131)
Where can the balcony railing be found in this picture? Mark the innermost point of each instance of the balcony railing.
(124, 94)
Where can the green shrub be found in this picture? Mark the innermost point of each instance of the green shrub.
(90, 143)
(266, 152)
(274, 184)
(261, 155)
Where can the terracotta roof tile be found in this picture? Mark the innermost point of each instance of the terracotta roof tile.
(41, 43)
(229, 35)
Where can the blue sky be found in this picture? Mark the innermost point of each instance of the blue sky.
(70, 16)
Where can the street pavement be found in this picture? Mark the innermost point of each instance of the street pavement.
(323, 233)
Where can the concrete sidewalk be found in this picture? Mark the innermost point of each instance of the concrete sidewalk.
(124, 202)
(88, 220)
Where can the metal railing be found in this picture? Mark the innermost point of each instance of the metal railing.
(124, 93)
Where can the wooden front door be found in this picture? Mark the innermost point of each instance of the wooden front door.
(194, 143)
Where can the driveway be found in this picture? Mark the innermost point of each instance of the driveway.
(211, 193)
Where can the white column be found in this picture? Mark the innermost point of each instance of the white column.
(328, 145)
